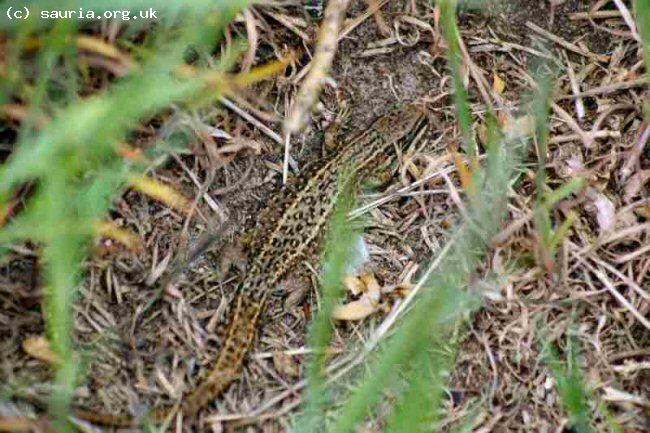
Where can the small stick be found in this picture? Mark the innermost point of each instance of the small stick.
(568, 45)
(575, 88)
(609, 88)
(610, 287)
(285, 160)
(328, 37)
(511, 45)
(605, 133)
(251, 32)
(634, 154)
(265, 129)
(594, 15)
(627, 17)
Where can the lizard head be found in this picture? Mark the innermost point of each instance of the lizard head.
(401, 123)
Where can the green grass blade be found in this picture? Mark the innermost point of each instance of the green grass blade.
(541, 111)
(75, 168)
(461, 99)
(419, 407)
(339, 245)
(643, 19)
(570, 383)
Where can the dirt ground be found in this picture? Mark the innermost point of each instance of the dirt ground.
(138, 352)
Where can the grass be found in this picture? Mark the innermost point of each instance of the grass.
(643, 18)
(445, 300)
(340, 245)
(413, 351)
(570, 383)
(548, 237)
(74, 168)
(73, 161)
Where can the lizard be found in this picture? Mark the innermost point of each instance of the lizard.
(286, 239)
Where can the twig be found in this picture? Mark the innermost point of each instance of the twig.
(610, 287)
(252, 36)
(266, 130)
(575, 88)
(388, 197)
(568, 45)
(609, 88)
(508, 46)
(586, 137)
(356, 21)
(512, 227)
(477, 76)
(320, 66)
(627, 17)
(634, 154)
(629, 281)
(285, 159)
(328, 37)
(594, 15)
(595, 134)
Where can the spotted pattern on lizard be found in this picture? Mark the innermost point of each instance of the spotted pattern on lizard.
(298, 228)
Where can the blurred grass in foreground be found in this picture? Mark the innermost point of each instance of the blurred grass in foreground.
(419, 349)
(570, 383)
(337, 255)
(643, 20)
(414, 363)
(69, 148)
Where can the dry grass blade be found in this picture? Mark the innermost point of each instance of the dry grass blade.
(320, 65)
(161, 192)
(15, 424)
(617, 295)
(98, 46)
(568, 45)
(328, 36)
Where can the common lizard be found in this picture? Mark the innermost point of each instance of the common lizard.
(299, 226)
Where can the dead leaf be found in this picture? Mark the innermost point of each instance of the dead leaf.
(498, 85)
(518, 128)
(39, 348)
(634, 184)
(605, 211)
(355, 310)
(353, 284)
(372, 287)
(285, 364)
(161, 192)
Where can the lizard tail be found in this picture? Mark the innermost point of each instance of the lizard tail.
(239, 340)
(156, 415)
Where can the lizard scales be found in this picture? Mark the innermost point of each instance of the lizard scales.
(299, 227)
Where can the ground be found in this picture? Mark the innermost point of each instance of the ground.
(139, 350)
